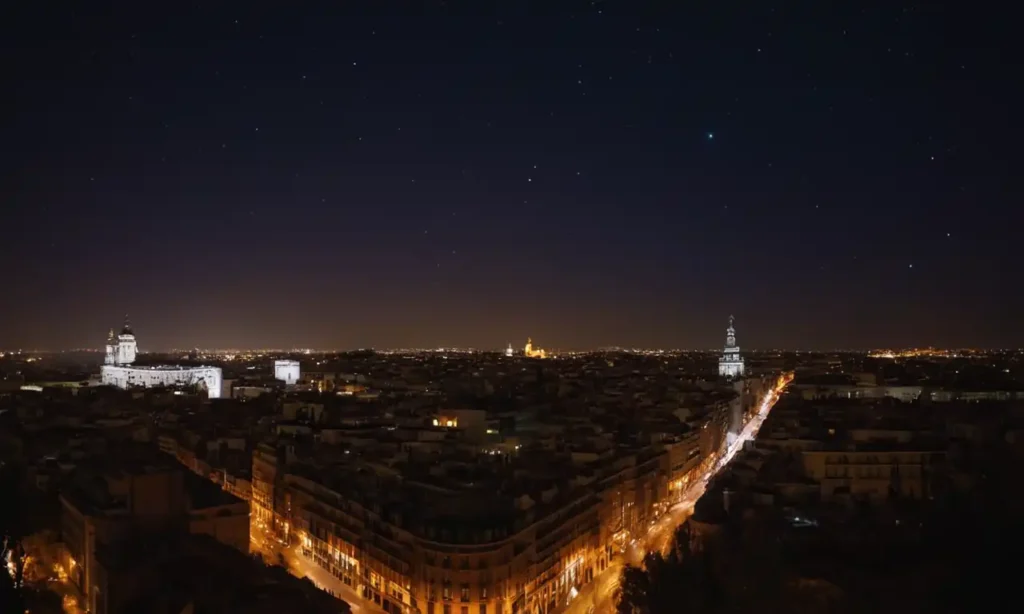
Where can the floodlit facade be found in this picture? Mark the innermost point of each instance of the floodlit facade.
(119, 369)
(121, 350)
(287, 371)
(209, 378)
(731, 363)
(426, 543)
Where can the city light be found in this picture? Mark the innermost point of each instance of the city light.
(600, 595)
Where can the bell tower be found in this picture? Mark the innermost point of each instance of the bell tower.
(731, 363)
(111, 357)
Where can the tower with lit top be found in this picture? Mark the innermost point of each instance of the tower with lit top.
(127, 347)
(731, 363)
(111, 357)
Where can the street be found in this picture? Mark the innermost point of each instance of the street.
(598, 597)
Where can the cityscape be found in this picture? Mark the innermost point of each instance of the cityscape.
(510, 308)
(479, 482)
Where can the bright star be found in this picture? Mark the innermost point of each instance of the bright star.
(711, 136)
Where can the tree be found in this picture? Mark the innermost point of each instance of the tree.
(681, 581)
(12, 555)
(634, 588)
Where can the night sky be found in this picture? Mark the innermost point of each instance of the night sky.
(586, 173)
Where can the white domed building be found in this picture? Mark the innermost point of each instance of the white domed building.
(119, 368)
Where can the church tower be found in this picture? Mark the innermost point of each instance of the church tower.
(126, 345)
(111, 357)
(731, 363)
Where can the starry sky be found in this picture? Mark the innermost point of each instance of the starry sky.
(343, 174)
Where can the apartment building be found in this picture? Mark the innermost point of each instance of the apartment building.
(872, 471)
(106, 507)
(442, 541)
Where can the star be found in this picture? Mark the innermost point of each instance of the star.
(711, 136)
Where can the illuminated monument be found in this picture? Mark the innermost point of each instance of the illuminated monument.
(121, 350)
(532, 352)
(731, 363)
(119, 370)
(287, 371)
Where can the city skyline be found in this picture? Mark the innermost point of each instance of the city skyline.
(834, 177)
(876, 351)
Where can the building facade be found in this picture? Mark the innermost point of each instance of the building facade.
(287, 371)
(102, 512)
(731, 363)
(451, 553)
(535, 560)
(119, 369)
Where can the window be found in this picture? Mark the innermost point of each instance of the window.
(446, 593)
(483, 608)
(483, 593)
(464, 609)
(464, 593)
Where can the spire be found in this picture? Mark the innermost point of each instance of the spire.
(730, 365)
(127, 330)
(110, 335)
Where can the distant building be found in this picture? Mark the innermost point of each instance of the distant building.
(532, 352)
(509, 351)
(731, 363)
(119, 369)
(287, 371)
